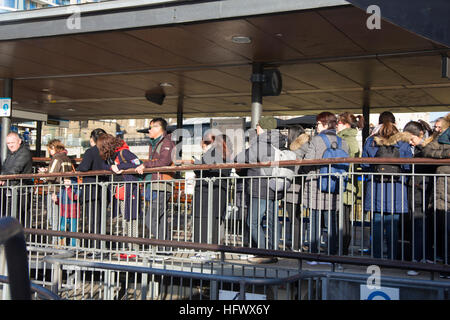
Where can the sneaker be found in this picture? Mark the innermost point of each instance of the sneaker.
(98, 255)
(313, 263)
(444, 275)
(165, 253)
(262, 259)
(202, 257)
(124, 256)
(412, 273)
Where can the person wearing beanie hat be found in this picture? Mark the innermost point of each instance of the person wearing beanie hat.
(262, 199)
(267, 123)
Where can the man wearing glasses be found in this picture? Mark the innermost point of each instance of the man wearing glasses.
(438, 125)
(157, 190)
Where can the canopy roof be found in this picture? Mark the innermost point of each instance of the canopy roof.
(328, 58)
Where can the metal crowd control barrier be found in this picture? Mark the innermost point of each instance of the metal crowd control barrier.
(14, 255)
(39, 292)
(237, 210)
(148, 282)
(152, 277)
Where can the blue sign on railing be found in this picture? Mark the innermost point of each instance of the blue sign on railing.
(5, 110)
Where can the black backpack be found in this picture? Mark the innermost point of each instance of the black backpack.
(387, 168)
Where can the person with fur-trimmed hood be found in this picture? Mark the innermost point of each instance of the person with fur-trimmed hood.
(438, 147)
(386, 197)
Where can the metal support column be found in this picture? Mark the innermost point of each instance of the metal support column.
(257, 88)
(38, 139)
(179, 152)
(366, 115)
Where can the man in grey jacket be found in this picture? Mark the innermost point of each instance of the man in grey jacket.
(18, 161)
(321, 204)
(264, 200)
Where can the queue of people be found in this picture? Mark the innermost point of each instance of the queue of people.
(400, 204)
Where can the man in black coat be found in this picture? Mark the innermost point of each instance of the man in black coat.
(18, 161)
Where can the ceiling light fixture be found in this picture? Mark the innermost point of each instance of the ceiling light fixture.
(241, 39)
(165, 84)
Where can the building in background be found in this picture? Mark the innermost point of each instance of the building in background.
(17, 5)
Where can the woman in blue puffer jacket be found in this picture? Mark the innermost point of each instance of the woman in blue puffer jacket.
(386, 196)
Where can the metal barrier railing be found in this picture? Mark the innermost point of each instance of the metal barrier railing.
(15, 257)
(242, 211)
(178, 284)
(145, 278)
(39, 292)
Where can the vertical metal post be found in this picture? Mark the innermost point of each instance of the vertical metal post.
(210, 211)
(37, 153)
(366, 115)
(104, 205)
(341, 215)
(14, 202)
(179, 155)
(6, 122)
(242, 290)
(257, 84)
(5, 294)
(144, 281)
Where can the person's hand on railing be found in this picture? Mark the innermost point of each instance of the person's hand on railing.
(42, 170)
(115, 169)
(140, 169)
(54, 197)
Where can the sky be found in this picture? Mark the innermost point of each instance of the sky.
(435, 115)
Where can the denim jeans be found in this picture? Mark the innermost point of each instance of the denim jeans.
(71, 224)
(386, 229)
(256, 223)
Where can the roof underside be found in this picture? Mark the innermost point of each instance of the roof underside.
(327, 58)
